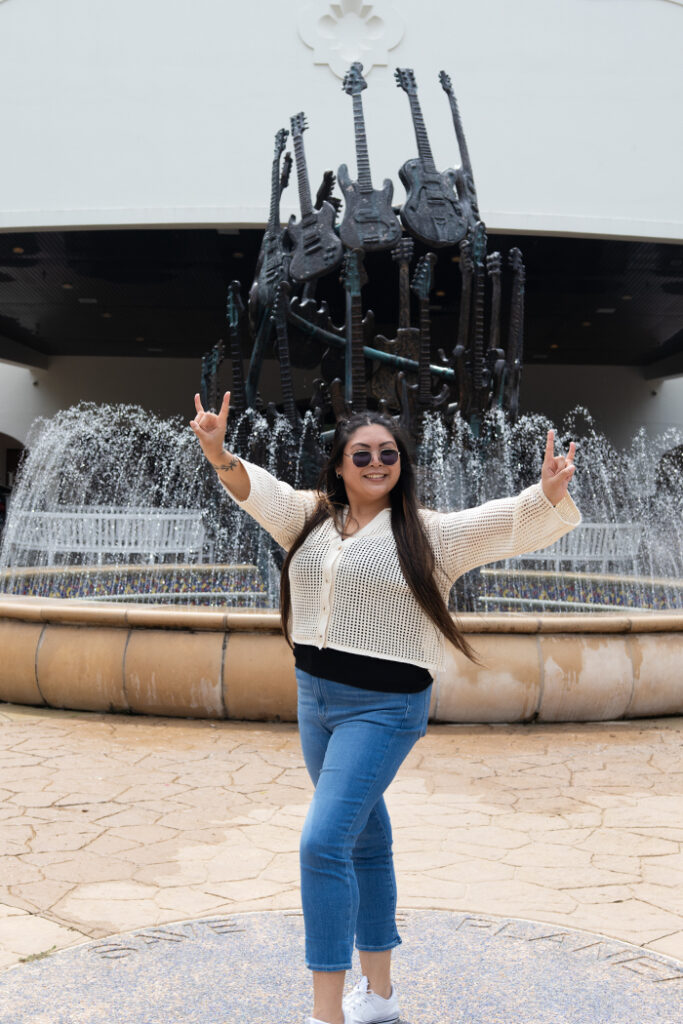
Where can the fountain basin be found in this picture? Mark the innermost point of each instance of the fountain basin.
(203, 662)
(234, 585)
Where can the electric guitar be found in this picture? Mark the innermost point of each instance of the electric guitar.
(272, 258)
(432, 211)
(354, 277)
(316, 248)
(422, 286)
(467, 192)
(280, 321)
(369, 222)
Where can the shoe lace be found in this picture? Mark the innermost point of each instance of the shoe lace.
(361, 996)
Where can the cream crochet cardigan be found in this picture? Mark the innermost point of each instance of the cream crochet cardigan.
(352, 595)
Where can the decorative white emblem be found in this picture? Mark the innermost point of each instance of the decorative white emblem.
(349, 30)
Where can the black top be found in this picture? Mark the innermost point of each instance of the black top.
(361, 670)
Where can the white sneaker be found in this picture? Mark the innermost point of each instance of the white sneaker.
(363, 1006)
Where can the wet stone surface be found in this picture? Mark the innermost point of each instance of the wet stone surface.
(451, 968)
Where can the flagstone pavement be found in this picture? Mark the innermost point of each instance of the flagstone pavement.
(115, 822)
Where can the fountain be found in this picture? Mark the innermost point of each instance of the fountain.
(129, 581)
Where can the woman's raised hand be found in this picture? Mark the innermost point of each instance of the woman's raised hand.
(557, 470)
(210, 427)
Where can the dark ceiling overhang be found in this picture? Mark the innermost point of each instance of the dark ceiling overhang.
(669, 361)
(22, 355)
(162, 293)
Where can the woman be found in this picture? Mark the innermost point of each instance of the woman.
(364, 597)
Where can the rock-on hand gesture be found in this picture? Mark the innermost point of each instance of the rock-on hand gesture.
(557, 470)
(210, 427)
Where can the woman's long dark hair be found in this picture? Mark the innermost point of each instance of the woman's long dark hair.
(415, 554)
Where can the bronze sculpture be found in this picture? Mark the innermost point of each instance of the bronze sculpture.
(316, 248)
(396, 374)
(432, 211)
(369, 221)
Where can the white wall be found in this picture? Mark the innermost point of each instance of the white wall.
(618, 397)
(164, 111)
(163, 386)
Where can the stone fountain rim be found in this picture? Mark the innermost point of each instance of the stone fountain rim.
(80, 612)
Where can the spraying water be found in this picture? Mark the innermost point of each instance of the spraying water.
(114, 503)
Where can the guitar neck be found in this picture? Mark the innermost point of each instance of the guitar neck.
(239, 402)
(274, 216)
(305, 201)
(478, 342)
(285, 367)
(423, 147)
(459, 132)
(362, 159)
(404, 294)
(494, 326)
(357, 356)
(516, 330)
(424, 376)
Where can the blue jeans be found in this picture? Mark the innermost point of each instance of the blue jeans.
(353, 742)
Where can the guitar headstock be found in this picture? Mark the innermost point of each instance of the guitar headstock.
(324, 193)
(405, 79)
(516, 260)
(466, 263)
(354, 82)
(494, 264)
(445, 80)
(479, 243)
(299, 125)
(286, 171)
(353, 275)
(403, 250)
(280, 142)
(423, 277)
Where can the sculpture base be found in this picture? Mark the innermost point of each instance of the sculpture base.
(452, 967)
(216, 663)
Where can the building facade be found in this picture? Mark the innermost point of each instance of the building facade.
(124, 116)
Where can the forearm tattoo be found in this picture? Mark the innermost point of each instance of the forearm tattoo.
(221, 466)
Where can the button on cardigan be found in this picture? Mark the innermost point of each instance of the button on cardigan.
(352, 596)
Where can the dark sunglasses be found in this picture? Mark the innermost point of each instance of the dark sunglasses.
(388, 457)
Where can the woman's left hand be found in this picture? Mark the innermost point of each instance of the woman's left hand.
(557, 471)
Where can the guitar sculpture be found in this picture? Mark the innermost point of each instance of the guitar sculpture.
(280, 321)
(422, 286)
(476, 346)
(369, 221)
(516, 334)
(233, 312)
(495, 355)
(211, 363)
(464, 178)
(354, 277)
(458, 357)
(272, 258)
(407, 340)
(316, 249)
(432, 211)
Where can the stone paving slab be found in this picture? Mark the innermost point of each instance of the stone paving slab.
(248, 969)
(110, 823)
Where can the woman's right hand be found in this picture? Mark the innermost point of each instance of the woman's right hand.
(210, 427)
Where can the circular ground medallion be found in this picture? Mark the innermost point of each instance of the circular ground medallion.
(248, 969)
